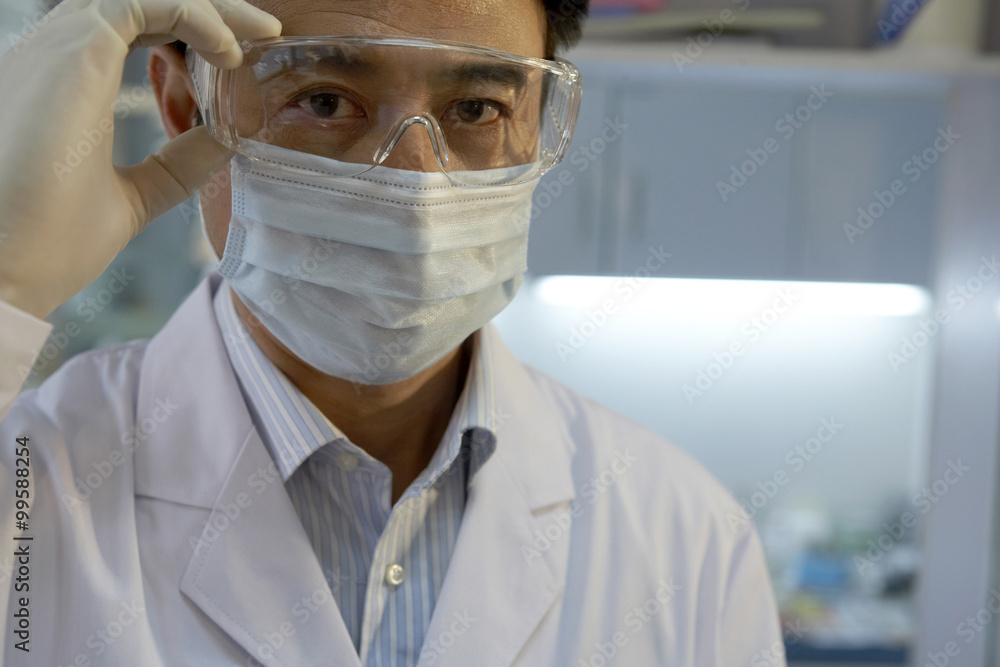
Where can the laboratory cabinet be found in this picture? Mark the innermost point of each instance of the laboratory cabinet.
(773, 171)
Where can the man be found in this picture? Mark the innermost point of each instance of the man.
(327, 456)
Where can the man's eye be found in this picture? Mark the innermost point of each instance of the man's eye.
(326, 106)
(477, 112)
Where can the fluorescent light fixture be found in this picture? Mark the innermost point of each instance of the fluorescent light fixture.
(690, 296)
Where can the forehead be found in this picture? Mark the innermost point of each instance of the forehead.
(515, 26)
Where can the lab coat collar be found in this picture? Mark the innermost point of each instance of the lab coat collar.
(251, 584)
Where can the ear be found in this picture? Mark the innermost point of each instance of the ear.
(173, 89)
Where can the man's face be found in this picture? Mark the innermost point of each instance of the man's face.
(515, 26)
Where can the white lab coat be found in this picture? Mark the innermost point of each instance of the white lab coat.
(586, 540)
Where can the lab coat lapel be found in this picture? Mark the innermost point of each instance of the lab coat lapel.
(252, 570)
(255, 574)
(503, 576)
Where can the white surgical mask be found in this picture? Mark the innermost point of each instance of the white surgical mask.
(375, 277)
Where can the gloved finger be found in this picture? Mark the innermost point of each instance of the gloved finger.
(247, 21)
(196, 23)
(172, 175)
(202, 26)
(241, 28)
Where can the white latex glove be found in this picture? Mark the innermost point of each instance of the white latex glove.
(61, 225)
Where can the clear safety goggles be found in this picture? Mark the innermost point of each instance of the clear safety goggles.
(469, 111)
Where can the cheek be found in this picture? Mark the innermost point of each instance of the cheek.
(216, 207)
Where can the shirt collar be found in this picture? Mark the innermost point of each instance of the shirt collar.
(293, 429)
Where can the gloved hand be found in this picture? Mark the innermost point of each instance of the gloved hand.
(65, 210)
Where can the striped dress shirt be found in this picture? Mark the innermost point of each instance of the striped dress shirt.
(384, 564)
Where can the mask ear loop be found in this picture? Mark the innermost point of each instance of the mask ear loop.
(434, 131)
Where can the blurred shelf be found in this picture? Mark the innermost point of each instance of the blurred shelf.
(743, 53)
(695, 21)
(802, 655)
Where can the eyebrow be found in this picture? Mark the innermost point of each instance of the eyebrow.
(344, 61)
(510, 75)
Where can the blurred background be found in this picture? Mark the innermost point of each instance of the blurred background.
(774, 241)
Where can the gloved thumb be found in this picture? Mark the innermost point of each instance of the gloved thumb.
(171, 175)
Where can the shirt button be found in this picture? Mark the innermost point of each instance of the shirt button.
(347, 461)
(394, 574)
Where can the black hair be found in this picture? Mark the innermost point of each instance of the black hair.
(563, 19)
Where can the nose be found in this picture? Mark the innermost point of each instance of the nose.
(415, 144)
